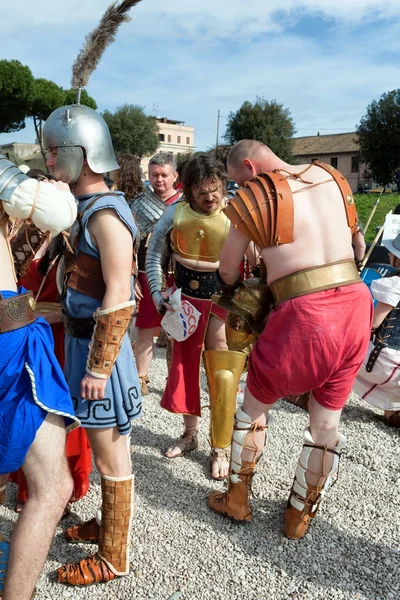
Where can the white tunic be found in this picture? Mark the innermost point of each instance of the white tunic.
(381, 387)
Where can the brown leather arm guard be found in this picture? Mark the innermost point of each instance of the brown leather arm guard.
(227, 290)
(111, 326)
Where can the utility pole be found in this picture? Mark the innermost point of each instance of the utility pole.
(217, 142)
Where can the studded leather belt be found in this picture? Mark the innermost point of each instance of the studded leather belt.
(79, 327)
(16, 312)
(197, 284)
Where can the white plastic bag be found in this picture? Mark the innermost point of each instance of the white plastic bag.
(183, 322)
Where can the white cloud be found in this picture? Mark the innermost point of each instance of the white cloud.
(192, 58)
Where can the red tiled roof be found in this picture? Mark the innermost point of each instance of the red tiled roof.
(325, 144)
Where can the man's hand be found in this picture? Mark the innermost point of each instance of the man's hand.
(161, 303)
(138, 291)
(93, 388)
(60, 185)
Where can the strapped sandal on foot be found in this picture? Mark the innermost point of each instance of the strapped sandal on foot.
(220, 456)
(186, 443)
(87, 532)
(144, 380)
(394, 420)
(86, 572)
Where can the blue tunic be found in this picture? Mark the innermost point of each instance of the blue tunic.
(31, 385)
(122, 402)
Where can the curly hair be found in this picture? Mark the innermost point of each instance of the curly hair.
(128, 177)
(200, 169)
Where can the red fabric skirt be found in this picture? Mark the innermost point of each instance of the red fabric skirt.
(182, 392)
(77, 446)
(313, 343)
(148, 317)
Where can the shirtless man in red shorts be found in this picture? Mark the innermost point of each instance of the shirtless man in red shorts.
(303, 218)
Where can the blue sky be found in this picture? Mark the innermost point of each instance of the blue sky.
(187, 58)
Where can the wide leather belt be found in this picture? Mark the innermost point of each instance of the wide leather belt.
(315, 279)
(16, 312)
(79, 327)
(197, 284)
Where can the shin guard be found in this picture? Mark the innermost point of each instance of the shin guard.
(223, 369)
(304, 499)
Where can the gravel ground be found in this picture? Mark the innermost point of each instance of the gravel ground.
(182, 551)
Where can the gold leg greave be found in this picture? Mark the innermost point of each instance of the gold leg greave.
(115, 526)
(223, 369)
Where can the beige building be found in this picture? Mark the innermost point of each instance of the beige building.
(340, 150)
(175, 137)
(21, 153)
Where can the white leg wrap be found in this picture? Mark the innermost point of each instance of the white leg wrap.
(299, 492)
(241, 433)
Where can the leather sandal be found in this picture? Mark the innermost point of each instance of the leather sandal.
(86, 572)
(220, 456)
(144, 380)
(189, 440)
(394, 420)
(87, 532)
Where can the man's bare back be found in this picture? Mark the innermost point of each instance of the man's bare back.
(321, 233)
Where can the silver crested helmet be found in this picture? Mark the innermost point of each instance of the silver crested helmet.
(79, 132)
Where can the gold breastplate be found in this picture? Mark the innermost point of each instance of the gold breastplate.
(199, 236)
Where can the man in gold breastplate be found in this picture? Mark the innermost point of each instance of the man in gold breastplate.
(194, 231)
(303, 219)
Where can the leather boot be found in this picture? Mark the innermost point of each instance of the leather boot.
(304, 499)
(235, 502)
(112, 559)
(87, 532)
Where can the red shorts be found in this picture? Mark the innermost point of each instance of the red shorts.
(148, 317)
(313, 343)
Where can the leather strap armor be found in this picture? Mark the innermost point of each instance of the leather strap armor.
(16, 312)
(84, 270)
(111, 326)
(263, 209)
(24, 243)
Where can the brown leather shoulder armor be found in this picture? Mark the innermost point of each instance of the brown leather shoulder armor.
(263, 210)
(84, 270)
(347, 195)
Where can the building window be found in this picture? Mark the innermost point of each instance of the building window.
(188, 141)
(314, 160)
(354, 164)
(169, 138)
(178, 139)
(334, 162)
(161, 137)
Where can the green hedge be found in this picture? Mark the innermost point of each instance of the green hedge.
(365, 203)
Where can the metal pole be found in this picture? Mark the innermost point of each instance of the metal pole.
(373, 211)
(217, 142)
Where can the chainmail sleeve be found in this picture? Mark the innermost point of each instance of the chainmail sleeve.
(159, 250)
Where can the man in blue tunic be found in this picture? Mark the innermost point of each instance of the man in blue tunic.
(98, 305)
(35, 403)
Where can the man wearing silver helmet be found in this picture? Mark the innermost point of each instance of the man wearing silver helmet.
(98, 305)
(34, 397)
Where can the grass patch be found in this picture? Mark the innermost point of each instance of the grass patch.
(365, 203)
